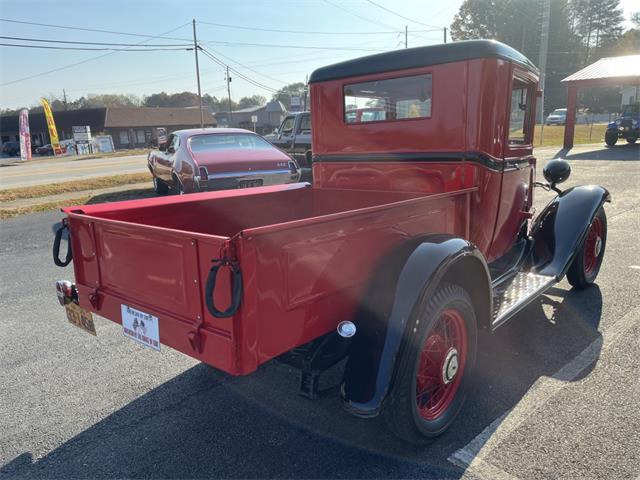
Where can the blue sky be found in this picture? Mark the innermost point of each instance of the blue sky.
(143, 73)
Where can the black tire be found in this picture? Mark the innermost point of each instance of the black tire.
(611, 138)
(401, 410)
(159, 186)
(632, 140)
(585, 266)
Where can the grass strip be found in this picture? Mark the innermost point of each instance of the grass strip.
(74, 186)
(84, 200)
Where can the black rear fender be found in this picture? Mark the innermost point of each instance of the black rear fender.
(561, 227)
(413, 270)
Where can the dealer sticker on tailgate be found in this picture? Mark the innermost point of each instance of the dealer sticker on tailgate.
(141, 327)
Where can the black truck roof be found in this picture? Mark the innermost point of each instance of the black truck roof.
(421, 57)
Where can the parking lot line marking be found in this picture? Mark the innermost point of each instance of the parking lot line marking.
(472, 456)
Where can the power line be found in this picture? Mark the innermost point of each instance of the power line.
(86, 60)
(93, 49)
(271, 45)
(248, 68)
(236, 72)
(112, 32)
(400, 16)
(340, 7)
(48, 40)
(302, 32)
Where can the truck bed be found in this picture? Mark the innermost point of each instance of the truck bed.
(304, 254)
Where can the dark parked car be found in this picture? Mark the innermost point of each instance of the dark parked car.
(45, 150)
(11, 148)
(218, 159)
(626, 126)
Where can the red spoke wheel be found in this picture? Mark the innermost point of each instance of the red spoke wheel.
(588, 260)
(434, 368)
(441, 365)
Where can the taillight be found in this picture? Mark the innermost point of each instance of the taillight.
(66, 292)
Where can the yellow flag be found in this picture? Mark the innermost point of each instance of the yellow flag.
(53, 133)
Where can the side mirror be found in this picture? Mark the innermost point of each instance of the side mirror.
(162, 147)
(556, 171)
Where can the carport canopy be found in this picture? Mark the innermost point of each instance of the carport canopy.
(606, 72)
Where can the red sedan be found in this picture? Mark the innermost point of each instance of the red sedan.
(217, 159)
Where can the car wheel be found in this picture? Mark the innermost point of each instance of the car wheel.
(588, 260)
(434, 366)
(159, 186)
(611, 138)
(632, 140)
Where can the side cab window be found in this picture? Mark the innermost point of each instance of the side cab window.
(521, 111)
(287, 126)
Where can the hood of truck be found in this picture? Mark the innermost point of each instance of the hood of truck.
(240, 160)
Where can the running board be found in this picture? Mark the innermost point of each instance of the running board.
(512, 295)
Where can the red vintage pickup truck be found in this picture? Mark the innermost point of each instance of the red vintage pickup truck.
(417, 232)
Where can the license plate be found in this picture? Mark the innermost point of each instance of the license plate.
(140, 327)
(249, 183)
(80, 317)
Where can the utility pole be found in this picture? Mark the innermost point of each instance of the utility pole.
(229, 94)
(64, 96)
(406, 36)
(544, 45)
(445, 34)
(195, 50)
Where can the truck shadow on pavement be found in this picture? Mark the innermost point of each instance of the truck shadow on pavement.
(203, 423)
(626, 152)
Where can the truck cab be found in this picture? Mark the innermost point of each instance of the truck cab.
(294, 137)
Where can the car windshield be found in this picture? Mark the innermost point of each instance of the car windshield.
(224, 141)
(630, 110)
(559, 111)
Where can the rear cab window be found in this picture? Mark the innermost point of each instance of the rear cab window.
(305, 124)
(400, 98)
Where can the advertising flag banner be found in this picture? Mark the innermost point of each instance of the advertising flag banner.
(53, 133)
(25, 135)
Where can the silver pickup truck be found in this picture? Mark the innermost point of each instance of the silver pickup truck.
(294, 137)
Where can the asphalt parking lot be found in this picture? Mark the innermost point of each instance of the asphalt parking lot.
(555, 395)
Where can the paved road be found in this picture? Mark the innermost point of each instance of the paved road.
(16, 174)
(556, 394)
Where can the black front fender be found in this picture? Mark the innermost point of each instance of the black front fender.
(403, 276)
(560, 229)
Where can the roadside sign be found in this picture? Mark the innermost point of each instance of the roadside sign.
(105, 143)
(161, 133)
(254, 118)
(25, 136)
(295, 101)
(82, 134)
